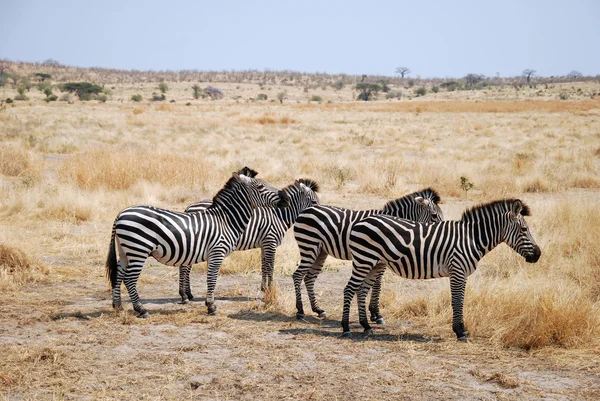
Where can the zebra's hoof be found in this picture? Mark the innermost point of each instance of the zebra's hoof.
(190, 297)
(380, 320)
(184, 302)
(299, 316)
(213, 312)
(346, 334)
(323, 315)
(463, 339)
(369, 332)
(144, 315)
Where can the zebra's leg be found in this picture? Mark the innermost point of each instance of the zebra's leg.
(306, 261)
(374, 304)
(268, 265)
(131, 275)
(214, 265)
(457, 289)
(185, 291)
(359, 272)
(366, 285)
(309, 282)
(116, 291)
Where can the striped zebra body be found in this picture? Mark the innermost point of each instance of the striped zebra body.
(265, 230)
(177, 239)
(325, 230)
(444, 249)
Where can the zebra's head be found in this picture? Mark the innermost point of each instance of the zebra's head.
(516, 232)
(308, 192)
(421, 206)
(261, 193)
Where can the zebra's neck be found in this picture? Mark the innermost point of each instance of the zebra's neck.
(288, 215)
(484, 227)
(398, 207)
(233, 204)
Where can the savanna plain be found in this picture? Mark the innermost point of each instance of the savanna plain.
(68, 168)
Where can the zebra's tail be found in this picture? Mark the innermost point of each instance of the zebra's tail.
(111, 261)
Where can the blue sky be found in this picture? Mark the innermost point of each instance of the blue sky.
(432, 38)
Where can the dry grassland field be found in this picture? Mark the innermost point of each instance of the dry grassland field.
(68, 168)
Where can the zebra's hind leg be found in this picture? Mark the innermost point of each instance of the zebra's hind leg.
(309, 282)
(131, 275)
(268, 265)
(116, 290)
(359, 272)
(185, 292)
(366, 285)
(306, 262)
(374, 303)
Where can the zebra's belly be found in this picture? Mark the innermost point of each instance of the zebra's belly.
(178, 259)
(404, 268)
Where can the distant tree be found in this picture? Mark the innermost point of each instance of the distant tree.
(473, 79)
(83, 90)
(197, 91)
(574, 75)
(528, 74)
(51, 63)
(338, 84)
(367, 90)
(3, 67)
(47, 91)
(281, 96)
(213, 92)
(42, 76)
(163, 87)
(403, 71)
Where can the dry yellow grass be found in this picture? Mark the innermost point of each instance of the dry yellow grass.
(90, 160)
(18, 269)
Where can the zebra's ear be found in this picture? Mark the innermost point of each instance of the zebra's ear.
(517, 206)
(240, 177)
(420, 199)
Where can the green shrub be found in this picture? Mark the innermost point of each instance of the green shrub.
(393, 95)
(48, 91)
(562, 96)
(421, 91)
(51, 98)
(411, 83)
(316, 98)
(9, 100)
(367, 90)
(262, 96)
(136, 98)
(83, 90)
(196, 91)
(435, 89)
(163, 87)
(158, 98)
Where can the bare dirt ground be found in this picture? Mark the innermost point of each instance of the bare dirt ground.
(66, 332)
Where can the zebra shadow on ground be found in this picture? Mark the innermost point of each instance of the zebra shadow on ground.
(259, 316)
(358, 335)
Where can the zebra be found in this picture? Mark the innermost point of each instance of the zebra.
(177, 239)
(324, 230)
(265, 230)
(444, 249)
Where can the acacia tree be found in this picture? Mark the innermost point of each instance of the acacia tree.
(367, 90)
(574, 75)
(528, 74)
(403, 71)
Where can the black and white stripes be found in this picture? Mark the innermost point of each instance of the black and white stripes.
(177, 239)
(265, 230)
(444, 249)
(324, 230)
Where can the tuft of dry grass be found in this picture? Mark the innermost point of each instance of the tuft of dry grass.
(18, 269)
(19, 162)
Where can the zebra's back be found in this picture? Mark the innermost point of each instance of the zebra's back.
(412, 250)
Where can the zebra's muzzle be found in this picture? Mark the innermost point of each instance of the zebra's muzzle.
(284, 199)
(535, 256)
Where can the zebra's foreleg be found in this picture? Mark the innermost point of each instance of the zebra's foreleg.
(131, 275)
(214, 265)
(358, 276)
(309, 282)
(366, 285)
(457, 289)
(185, 291)
(374, 303)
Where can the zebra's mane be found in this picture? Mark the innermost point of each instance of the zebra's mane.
(428, 193)
(501, 204)
(312, 184)
(229, 185)
(247, 171)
